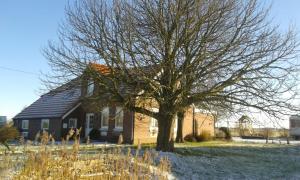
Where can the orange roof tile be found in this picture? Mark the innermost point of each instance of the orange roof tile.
(101, 68)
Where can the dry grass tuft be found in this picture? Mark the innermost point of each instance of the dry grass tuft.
(75, 163)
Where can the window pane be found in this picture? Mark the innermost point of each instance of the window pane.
(91, 125)
(45, 124)
(72, 123)
(105, 117)
(119, 117)
(154, 122)
(90, 88)
(25, 124)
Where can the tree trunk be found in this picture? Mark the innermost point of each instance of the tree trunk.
(180, 119)
(165, 137)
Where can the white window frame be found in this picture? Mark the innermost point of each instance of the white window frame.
(24, 126)
(153, 127)
(90, 88)
(75, 122)
(104, 110)
(43, 121)
(119, 114)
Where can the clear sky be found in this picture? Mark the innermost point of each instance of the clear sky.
(27, 25)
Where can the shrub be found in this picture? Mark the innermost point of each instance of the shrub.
(190, 138)
(112, 163)
(204, 136)
(8, 133)
(94, 134)
(227, 133)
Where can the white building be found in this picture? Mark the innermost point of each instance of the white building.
(3, 120)
(295, 126)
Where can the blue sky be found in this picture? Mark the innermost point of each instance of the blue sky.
(27, 25)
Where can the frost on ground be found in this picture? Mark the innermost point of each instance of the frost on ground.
(207, 160)
(250, 161)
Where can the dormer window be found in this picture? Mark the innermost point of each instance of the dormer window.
(90, 88)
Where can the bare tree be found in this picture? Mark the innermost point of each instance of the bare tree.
(198, 52)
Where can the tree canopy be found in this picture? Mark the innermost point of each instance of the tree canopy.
(213, 53)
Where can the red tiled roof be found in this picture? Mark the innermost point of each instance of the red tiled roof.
(103, 69)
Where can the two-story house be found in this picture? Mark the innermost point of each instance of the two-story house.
(59, 111)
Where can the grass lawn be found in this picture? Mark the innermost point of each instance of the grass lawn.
(235, 160)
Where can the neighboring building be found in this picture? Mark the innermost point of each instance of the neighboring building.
(59, 112)
(3, 120)
(295, 126)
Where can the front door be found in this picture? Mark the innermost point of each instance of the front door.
(89, 123)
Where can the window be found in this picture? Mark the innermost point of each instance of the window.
(90, 119)
(90, 88)
(119, 117)
(72, 123)
(105, 117)
(25, 124)
(153, 125)
(45, 124)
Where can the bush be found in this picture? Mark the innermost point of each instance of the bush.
(8, 133)
(226, 132)
(94, 134)
(190, 138)
(204, 136)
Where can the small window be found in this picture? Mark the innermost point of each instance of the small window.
(119, 117)
(154, 123)
(25, 124)
(105, 117)
(90, 118)
(45, 124)
(72, 123)
(90, 88)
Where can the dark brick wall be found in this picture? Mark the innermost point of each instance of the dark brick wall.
(112, 134)
(80, 116)
(35, 127)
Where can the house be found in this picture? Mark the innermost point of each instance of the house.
(3, 120)
(295, 126)
(63, 110)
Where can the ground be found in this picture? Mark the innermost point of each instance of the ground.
(235, 160)
(231, 160)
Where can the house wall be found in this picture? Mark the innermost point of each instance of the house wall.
(35, 127)
(142, 129)
(203, 122)
(80, 116)
(112, 133)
